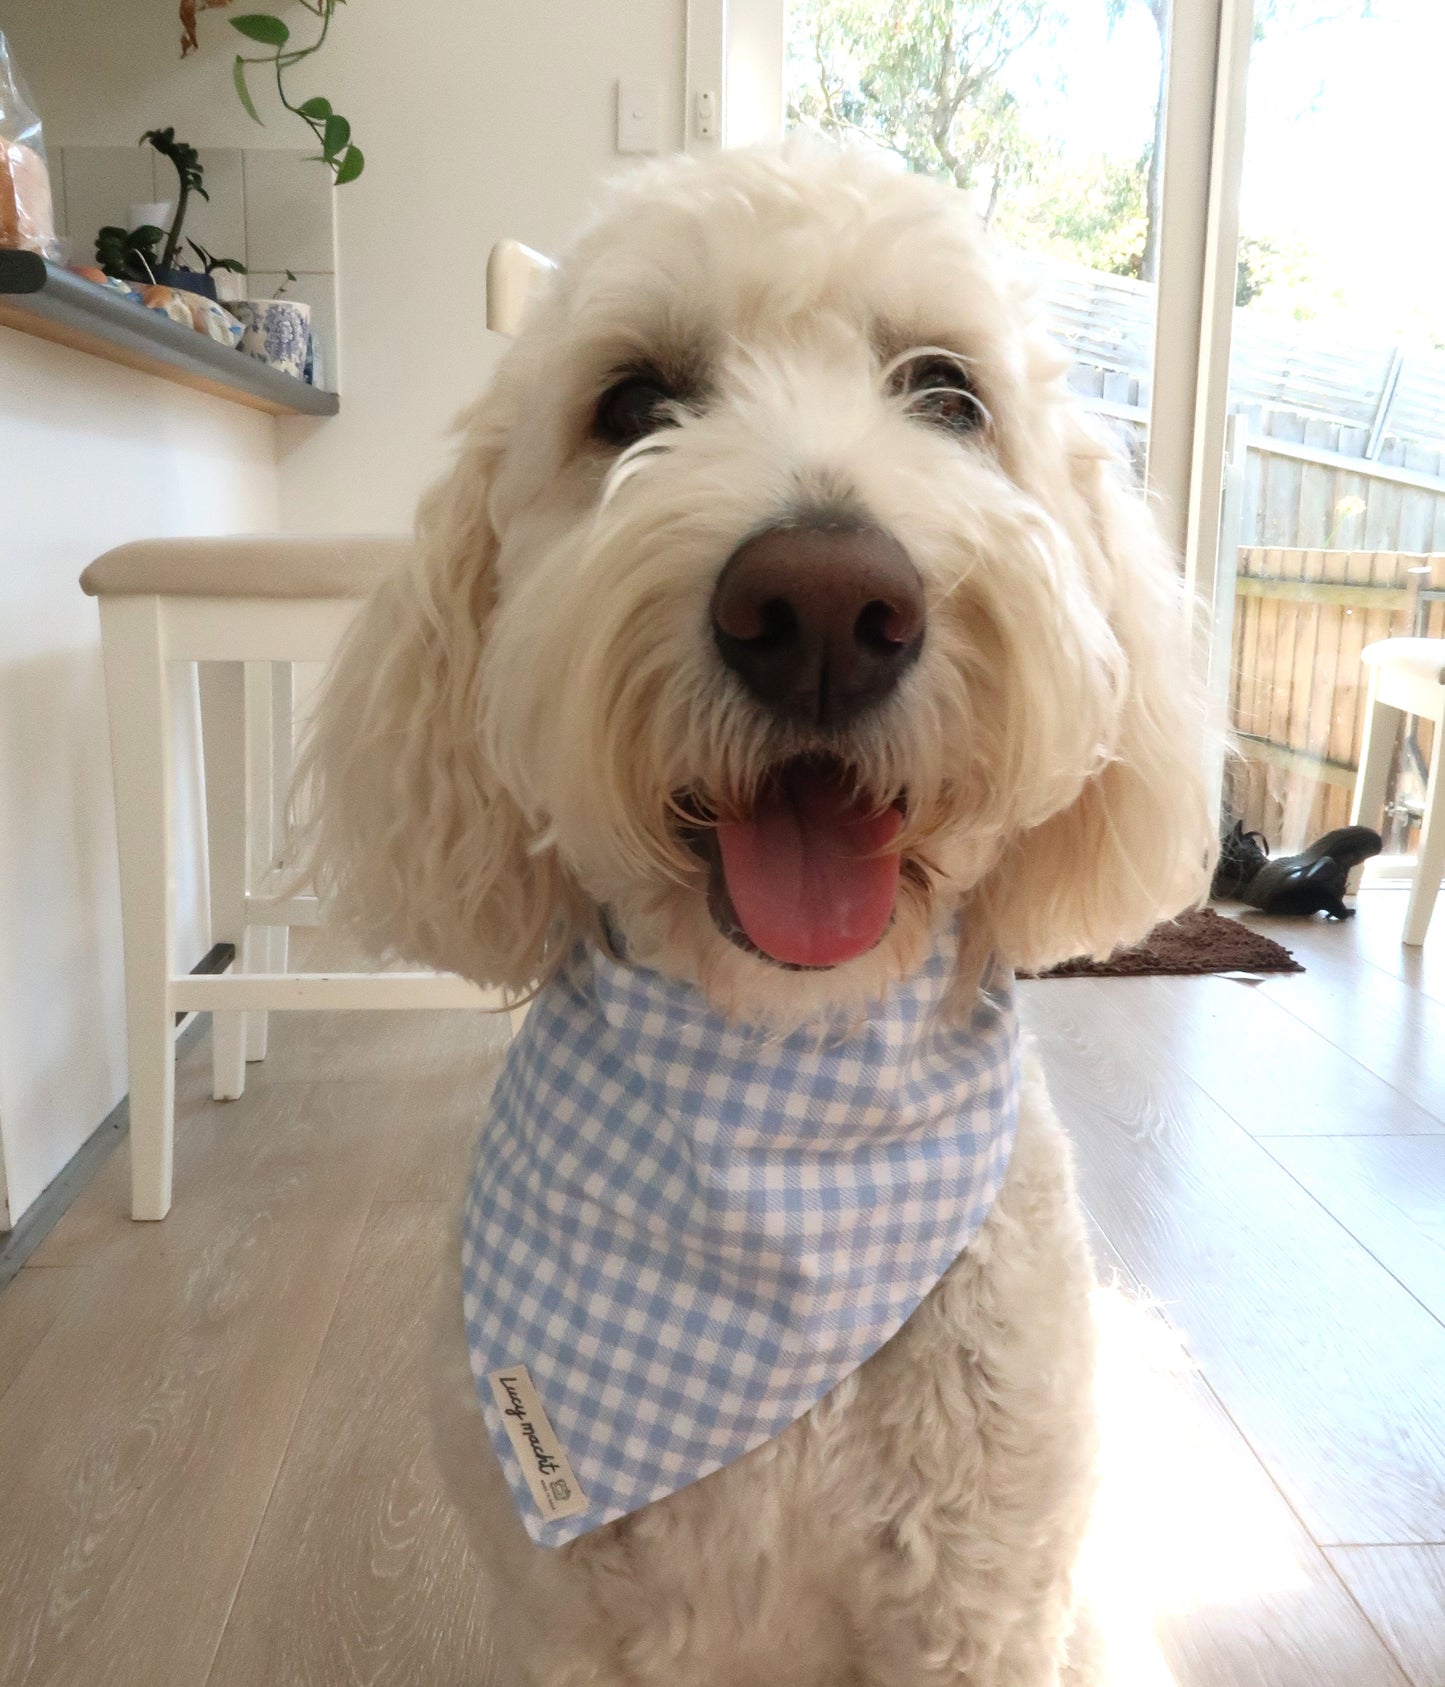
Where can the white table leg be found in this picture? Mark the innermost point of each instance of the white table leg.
(223, 735)
(1382, 724)
(1432, 847)
(138, 702)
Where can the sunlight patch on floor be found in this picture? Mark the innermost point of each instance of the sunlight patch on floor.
(1186, 1520)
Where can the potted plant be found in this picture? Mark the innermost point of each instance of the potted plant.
(130, 254)
(147, 254)
(191, 179)
(219, 268)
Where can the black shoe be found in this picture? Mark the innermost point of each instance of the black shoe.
(1349, 845)
(1241, 855)
(1313, 881)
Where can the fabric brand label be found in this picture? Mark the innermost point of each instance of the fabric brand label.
(534, 1441)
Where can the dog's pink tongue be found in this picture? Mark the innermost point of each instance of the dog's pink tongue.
(810, 874)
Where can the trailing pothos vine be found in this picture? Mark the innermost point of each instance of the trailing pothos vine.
(333, 132)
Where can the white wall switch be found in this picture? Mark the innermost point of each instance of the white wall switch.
(638, 124)
(704, 123)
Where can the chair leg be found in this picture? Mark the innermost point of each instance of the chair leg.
(223, 734)
(283, 750)
(260, 831)
(1382, 722)
(279, 954)
(138, 701)
(1432, 847)
(272, 767)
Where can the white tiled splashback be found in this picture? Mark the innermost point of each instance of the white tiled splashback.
(273, 210)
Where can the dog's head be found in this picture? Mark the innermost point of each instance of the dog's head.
(778, 602)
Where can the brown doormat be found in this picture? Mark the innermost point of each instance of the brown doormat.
(1200, 941)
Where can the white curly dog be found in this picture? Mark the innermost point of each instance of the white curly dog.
(776, 519)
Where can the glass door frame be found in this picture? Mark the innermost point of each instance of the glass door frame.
(733, 52)
(1205, 88)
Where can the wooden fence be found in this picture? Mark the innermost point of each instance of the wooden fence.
(1297, 690)
(1307, 483)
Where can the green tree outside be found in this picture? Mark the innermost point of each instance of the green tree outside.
(935, 82)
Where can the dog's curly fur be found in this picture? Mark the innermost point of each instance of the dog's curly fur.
(521, 728)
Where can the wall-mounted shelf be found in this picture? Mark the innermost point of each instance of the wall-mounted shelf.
(39, 298)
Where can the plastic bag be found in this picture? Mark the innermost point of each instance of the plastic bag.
(27, 216)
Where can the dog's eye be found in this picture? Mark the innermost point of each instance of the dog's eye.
(633, 408)
(938, 390)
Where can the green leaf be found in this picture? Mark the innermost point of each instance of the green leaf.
(351, 165)
(238, 76)
(258, 26)
(338, 133)
(318, 110)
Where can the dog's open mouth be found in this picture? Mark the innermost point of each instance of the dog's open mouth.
(809, 878)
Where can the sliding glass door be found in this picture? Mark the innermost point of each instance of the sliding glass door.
(1337, 390)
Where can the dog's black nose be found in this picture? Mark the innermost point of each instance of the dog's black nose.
(819, 622)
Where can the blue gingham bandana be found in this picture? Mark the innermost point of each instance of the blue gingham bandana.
(682, 1233)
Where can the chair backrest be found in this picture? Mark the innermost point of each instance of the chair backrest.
(513, 270)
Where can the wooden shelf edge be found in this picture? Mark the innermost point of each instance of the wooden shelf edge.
(52, 304)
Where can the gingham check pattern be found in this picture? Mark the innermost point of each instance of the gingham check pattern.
(689, 1231)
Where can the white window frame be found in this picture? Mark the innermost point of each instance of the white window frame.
(1208, 50)
(755, 71)
(707, 27)
(1189, 436)
(734, 50)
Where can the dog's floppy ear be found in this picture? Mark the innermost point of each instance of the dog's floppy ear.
(1135, 846)
(404, 823)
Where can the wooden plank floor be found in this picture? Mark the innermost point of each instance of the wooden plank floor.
(1267, 1163)
(213, 1464)
(214, 1468)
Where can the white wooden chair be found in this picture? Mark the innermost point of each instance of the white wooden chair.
(1407, 677)
(242, 609)
(240, 612)
(513, 270)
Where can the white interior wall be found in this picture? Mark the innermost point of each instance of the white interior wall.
(90, 455)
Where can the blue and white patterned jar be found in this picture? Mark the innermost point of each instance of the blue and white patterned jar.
(277, 331)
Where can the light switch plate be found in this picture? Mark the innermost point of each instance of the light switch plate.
(638, 124)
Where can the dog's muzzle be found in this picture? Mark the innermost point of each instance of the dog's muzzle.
(819, 620)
